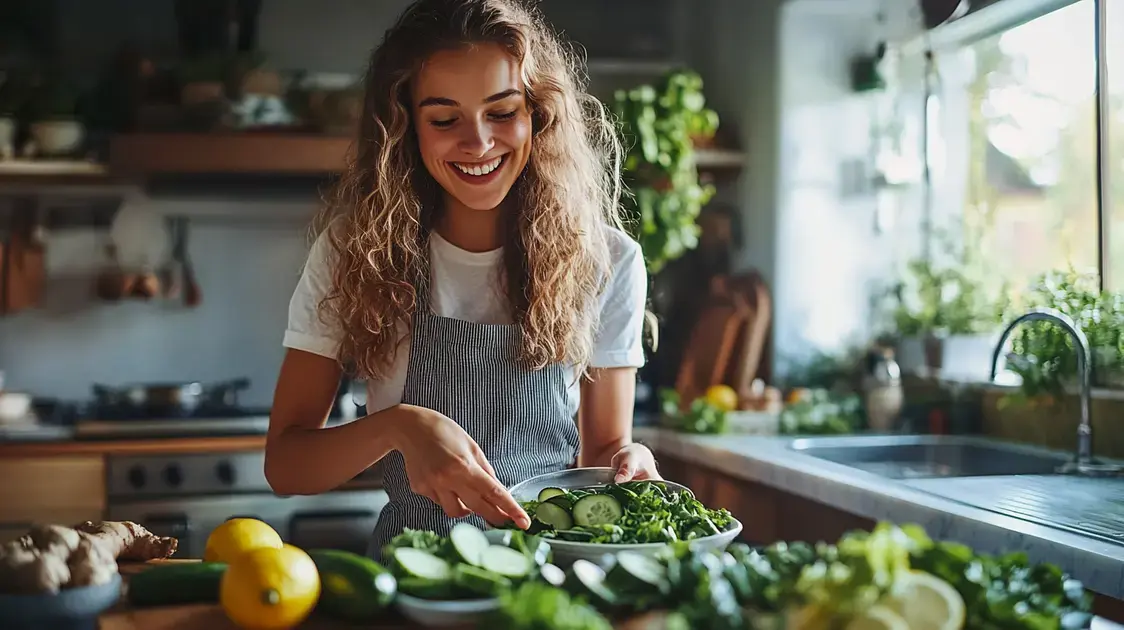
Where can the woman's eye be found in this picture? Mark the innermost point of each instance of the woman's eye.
(443, 123)
(504, 116)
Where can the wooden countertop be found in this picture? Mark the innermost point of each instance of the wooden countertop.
(47, 448)
(211, 616)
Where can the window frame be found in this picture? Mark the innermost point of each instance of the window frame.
(1004, 15)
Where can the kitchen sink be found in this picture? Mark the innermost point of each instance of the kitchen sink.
(929, 456)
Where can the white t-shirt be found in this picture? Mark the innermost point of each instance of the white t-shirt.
(465, 286)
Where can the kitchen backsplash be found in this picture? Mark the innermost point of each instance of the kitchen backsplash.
(247, 272)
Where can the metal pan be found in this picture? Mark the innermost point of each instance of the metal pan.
(171, 398)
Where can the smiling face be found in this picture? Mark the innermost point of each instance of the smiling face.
(473, 123)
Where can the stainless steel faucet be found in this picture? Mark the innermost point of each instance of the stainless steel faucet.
(1083, 462)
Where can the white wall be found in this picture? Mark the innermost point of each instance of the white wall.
(829, 255)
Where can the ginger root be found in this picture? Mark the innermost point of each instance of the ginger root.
(47, 537)
(26, 571)
(52, 557)
(91, 562)
(126, 540)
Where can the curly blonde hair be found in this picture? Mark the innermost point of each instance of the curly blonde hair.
(556, 257)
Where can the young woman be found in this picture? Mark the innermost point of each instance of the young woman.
(473, 272)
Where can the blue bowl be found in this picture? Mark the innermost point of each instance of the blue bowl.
(69, 609)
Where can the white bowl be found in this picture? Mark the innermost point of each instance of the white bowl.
(565, 552)
(14, 406)
(439, 613)
(444, 613)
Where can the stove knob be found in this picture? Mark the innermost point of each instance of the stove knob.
(136, 477)
(173, 475)
(225, 472)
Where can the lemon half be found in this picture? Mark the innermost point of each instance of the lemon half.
(927, 602)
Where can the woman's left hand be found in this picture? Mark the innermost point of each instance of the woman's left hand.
(635, 462)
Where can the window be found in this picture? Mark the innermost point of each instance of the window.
(1115, 122)
(1013, 149)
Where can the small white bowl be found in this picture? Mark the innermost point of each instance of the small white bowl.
(14, 406)
(444, 613)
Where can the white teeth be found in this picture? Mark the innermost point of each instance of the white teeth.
(479, 169)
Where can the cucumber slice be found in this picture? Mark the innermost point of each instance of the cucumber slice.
(552, 575)
(546, 493)
(480, 581)
(637, 572)
(587, 579)
(506, 562)
(562, 501)
(597, 509)
(554, 516)
(469, 542)
(422, 564)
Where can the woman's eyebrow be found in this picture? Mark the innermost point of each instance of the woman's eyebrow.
(448, 102)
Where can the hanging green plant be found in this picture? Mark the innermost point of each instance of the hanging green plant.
(660, 125)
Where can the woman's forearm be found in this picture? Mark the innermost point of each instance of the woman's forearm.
(299, 460)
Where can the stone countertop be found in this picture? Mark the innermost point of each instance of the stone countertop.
(769, 461)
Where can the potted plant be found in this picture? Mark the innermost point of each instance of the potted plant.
(56, 129)
(1043, 355)
(943, 312)
(660, 126)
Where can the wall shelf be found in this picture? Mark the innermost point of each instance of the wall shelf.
(145, 154)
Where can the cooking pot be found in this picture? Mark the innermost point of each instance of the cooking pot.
(170, 397)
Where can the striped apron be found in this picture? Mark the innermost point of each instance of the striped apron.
(523, 420)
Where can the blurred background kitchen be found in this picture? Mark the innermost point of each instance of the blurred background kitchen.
(868, 190)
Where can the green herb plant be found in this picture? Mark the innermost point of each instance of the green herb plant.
(823, 412)
(939, 301)
(700, 417)
(659, 126)
(1043, 353)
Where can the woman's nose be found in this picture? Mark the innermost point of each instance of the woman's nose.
(477, 140)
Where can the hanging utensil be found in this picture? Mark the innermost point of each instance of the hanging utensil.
(173, 271)
(192, 294)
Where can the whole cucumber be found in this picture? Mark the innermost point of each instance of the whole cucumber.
(170, 584)
(352, 587)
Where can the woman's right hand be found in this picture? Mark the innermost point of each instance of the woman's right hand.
(446, 465)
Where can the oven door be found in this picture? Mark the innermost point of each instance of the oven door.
(333, 520)
(344, 529)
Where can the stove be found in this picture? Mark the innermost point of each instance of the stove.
(188, 495)
(104, 424)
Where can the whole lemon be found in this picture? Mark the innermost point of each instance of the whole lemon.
(237, 536)
(269, 588)
(723, 397)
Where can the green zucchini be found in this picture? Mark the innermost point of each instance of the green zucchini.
(352, 587)
(180, 583)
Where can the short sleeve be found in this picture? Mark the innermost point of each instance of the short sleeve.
(619, 339)
(306, 330)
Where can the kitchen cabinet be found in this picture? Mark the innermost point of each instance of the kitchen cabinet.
(63, 489)
(766, 513)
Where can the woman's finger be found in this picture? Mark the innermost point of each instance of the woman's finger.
(452, 504)
(626, 467)
(484, 463)
(497, 501)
